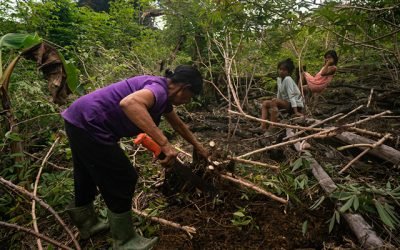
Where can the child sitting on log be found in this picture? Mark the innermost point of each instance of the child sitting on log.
(288, 96)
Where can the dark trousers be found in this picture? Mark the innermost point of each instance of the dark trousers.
(102, 166)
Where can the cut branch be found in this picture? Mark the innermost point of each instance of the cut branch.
(187, 229)
(274, 123)
(360, 145)
(351, 112)
(325, 133)
(367, 132)
(37, 235)
(275, 167)
(376, 144)
(21, 190)
(34, 219)
(250, 185)
(317, 123)
(383, 151)
(370, 97)
(49, 163)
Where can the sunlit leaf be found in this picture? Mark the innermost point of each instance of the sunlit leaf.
(318, 202)
(304, 227)
(238, 214)
(347, 205)
(13, 136)
(331, 223)
(19, 41)
(385, 217)
(297, 164)
(356, 203)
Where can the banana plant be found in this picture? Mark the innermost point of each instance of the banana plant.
(61, 76)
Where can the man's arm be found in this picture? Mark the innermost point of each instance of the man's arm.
(179, 126)
(136, 106)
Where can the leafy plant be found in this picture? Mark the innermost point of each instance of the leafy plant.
(334, 219)
(371, 199)
(241, 219)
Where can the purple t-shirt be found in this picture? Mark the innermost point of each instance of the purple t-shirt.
(100, 115)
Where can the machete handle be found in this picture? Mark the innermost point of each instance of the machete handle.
(147, 142)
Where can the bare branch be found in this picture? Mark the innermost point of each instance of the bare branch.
(34, 219)
(21, 190)
(38, 235)
(187, 229)
(376, 144)
(250, 185)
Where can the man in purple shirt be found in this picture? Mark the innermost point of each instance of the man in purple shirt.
(94, 124)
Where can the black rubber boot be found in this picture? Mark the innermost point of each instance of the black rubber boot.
(124, 235)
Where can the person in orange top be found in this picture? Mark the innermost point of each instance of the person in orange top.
(319, 82)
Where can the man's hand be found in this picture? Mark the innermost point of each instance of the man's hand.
(202, 152)
(170, 155)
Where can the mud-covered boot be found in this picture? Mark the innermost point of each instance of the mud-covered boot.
(86, 220)
(124, 235)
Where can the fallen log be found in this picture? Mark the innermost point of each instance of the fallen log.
(361, 229)
(383, 151)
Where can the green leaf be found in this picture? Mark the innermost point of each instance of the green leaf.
(15, 155)
(304, 227)
(332, 223)
(390, 210)
(306, 163)
(347, 205)
(72, 76)
(345, 197)
(19, 41)
(238, 214)
(297, 164)
(337, 216)
(385, 217)
(13, 136)
(356, 203)
(317, 203)
(311, 30)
